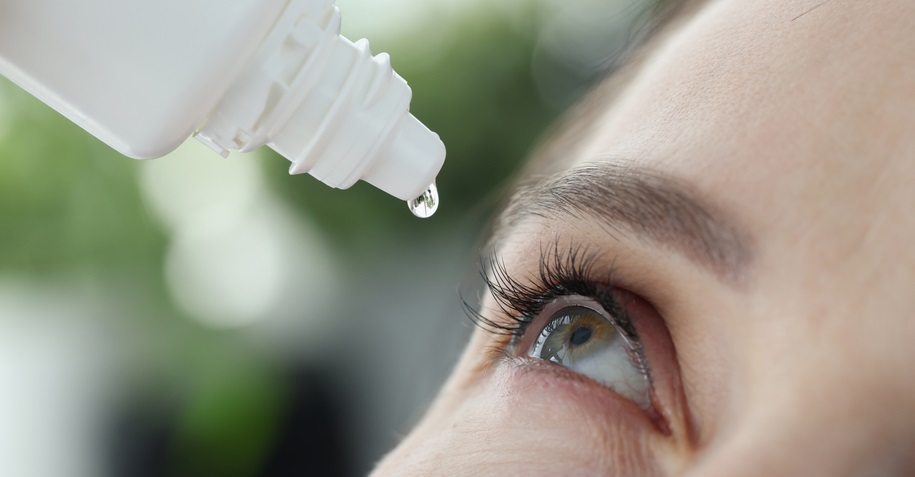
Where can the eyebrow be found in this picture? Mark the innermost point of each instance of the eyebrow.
(637, 201)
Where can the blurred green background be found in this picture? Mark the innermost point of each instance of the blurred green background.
(200, 316)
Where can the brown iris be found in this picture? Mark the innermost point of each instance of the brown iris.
(572, 333)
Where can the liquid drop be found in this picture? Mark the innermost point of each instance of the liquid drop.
(425, 205)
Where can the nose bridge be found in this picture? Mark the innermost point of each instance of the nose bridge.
(828, 346)
(815, 428)
(815, 407)
(801, 447)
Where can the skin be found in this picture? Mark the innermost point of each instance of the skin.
(795, 122)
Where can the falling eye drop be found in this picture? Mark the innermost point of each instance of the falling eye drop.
(143, 76)
(426, 204)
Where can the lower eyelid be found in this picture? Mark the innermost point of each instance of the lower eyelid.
(544, 376)
(657, 347)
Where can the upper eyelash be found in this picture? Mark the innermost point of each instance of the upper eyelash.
(560, 273)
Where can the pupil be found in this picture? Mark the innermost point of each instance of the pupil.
(580, 336)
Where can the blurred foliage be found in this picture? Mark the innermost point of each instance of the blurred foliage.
(229, 420)
(66, 200)
(71, 206)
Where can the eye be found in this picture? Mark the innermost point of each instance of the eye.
(587, 341)
(569, 313)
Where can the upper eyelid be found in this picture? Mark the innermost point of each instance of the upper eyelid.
(561, 271)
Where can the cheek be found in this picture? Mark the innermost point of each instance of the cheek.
(525, 421)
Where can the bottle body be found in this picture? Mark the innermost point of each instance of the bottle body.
(138, 75)
(144, 76)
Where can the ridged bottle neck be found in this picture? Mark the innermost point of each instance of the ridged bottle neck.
(329, 106)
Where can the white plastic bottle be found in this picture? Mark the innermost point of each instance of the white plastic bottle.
(144, 75)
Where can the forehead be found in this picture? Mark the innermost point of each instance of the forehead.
(745, 92)
(764, 107)
(803, 136)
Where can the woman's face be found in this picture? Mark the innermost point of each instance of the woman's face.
(720, 279)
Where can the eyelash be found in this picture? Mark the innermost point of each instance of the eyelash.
(560, 273)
